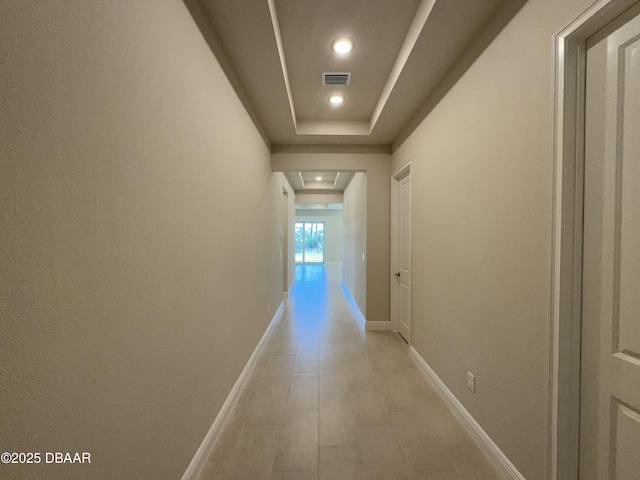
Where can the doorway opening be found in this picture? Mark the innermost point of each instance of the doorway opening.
(309, 242)
(339, 200)
(568, 307)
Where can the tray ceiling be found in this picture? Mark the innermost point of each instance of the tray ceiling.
(406, 53)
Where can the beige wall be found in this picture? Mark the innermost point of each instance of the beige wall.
(289, 233)
(377, 166)
(333, 240)
(131, 293)
(318, 198)
(354, 269)
(482, 173)
(291, 247)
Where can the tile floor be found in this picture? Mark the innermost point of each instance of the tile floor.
(329, 401)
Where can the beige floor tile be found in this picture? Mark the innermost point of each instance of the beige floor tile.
(309, 328)
(293, 476)
(336, 408)
(397, 392)
(308, 340)
(306, 361)
(284, 334)
(253, 456)
(382, 456)
(420, 388)
(303, 392)
(362, 385)
(268, 404)
(379, 444)
(340, 463)
(221, 458)
(281, 346)
(333, 380)
(441, 421)
(328, 357)
(277, 369)
(385, 472)
(370, 408)
(335, 354)
(330, 335)
(298, 444)
(337, 421)
(471, 463)
(423, 451)
(338, 434)
(448, 475)
(328, 400)
(361, 366)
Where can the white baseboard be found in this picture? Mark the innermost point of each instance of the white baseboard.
(379, 326)
(498, 459)
(200, 458)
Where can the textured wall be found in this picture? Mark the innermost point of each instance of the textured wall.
(139, 237)
(354, 271)
(482, 175)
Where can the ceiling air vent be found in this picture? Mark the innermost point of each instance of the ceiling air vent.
(336, 78)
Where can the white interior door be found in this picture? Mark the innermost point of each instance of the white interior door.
(403, 258)
(610, 378)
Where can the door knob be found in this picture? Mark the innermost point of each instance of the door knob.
(398, 274)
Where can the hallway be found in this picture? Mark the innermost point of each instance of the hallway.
(328, 400)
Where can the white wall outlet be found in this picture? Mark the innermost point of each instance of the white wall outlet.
(471, 382)
(358, 295)
(363, 257)
(268, 309)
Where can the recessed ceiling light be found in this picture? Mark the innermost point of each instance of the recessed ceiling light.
(342, 46)
(318, 178)
(336, 99)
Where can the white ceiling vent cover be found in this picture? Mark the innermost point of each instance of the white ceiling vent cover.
(342, 78)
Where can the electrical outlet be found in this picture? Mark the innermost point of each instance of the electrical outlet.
(358, 295)
(268, 309)
(471, 382)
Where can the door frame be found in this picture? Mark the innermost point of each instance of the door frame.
(566, 274)
(395, 203)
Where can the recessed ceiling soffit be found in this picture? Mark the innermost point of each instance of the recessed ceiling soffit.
(352, 127)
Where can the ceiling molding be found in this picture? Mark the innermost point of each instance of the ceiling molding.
(319, 192)
(319, 186)
(249, 38)
(420, 19)
(332, 127)
(283, 62)
(305, 148)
